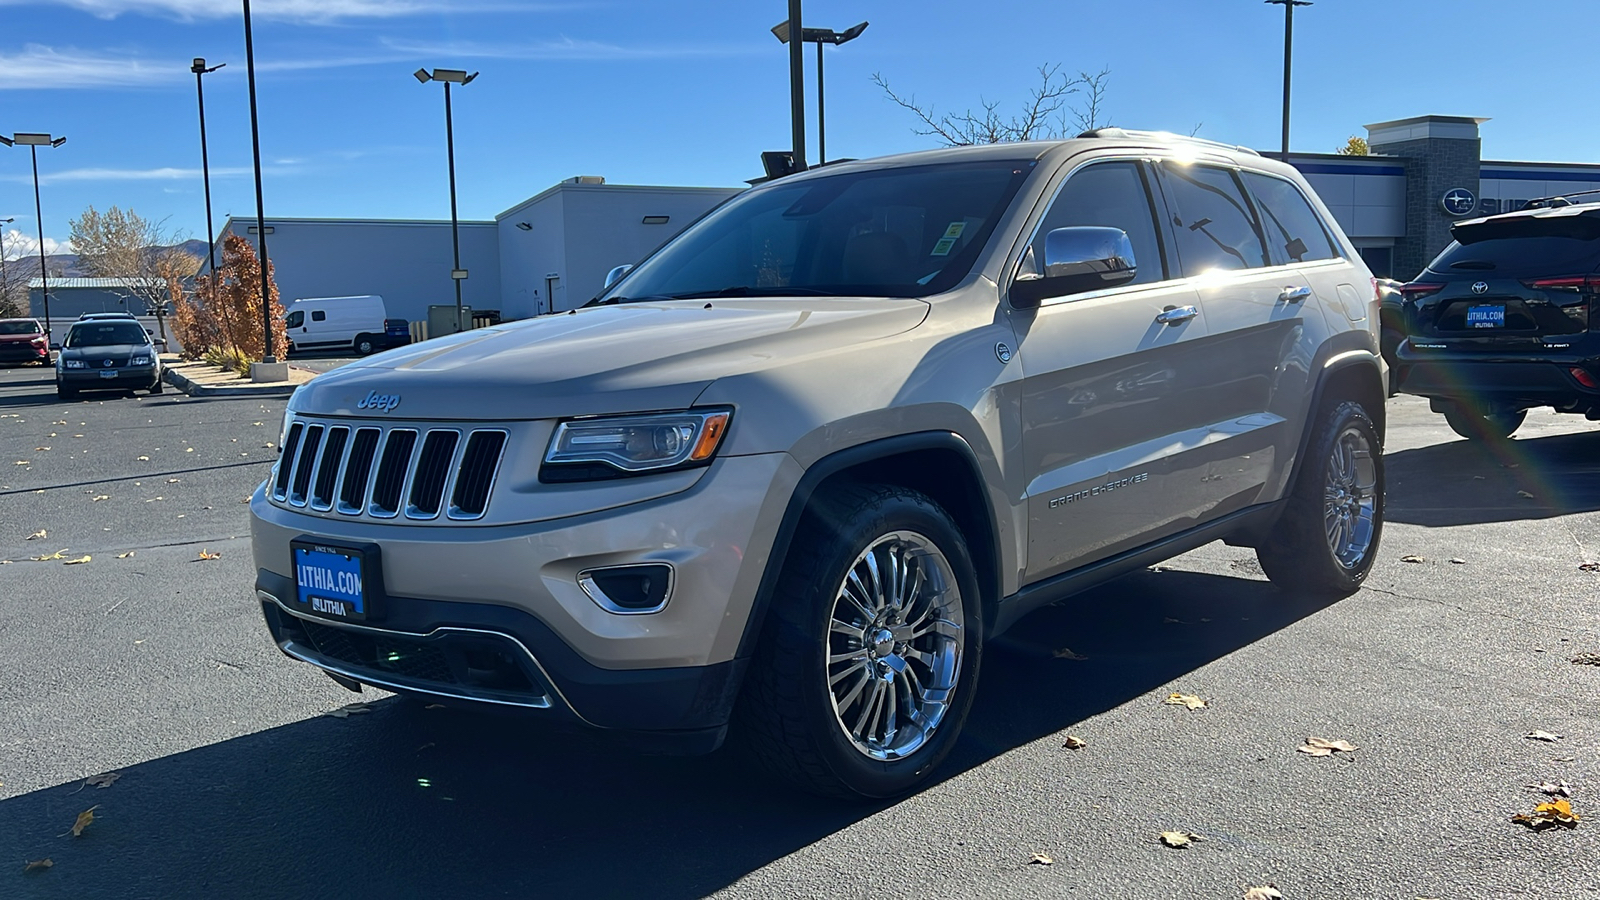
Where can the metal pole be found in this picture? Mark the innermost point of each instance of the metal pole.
(797, 88)
(205, 169)
(1288, 49)
(267, 355)
(822, 120)
(44, 272)
(455, 235)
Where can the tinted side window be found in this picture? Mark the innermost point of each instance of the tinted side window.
(1111, 194)
(1294, 233)
(318, 315)
(1214, 226)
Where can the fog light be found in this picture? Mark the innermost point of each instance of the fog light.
(1584, 378)
(629, 590)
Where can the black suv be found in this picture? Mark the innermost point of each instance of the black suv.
(1500, 322)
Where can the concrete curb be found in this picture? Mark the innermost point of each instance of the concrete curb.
(194, 389)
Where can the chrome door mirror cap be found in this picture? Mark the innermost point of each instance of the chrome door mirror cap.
(1077, 258)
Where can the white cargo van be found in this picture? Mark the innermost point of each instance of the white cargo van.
(336, 323)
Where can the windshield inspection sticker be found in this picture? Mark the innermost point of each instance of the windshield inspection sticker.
(948, 242)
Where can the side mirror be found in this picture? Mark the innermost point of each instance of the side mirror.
(615, 275)
(160, 342)
(1077, 259)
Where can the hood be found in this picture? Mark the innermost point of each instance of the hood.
(609, 359)
(118, 352)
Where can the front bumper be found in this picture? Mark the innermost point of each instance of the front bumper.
(125, 378)
(23, 352)
(1499, 379)
(518, 584)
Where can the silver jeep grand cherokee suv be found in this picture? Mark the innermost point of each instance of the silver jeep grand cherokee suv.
(788, 474)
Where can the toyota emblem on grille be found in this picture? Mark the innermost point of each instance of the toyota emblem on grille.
(1480, 287)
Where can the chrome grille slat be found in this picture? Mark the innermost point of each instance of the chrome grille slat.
(381, 471)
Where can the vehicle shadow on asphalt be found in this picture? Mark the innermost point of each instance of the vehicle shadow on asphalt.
(1474, 482)
(414, 802)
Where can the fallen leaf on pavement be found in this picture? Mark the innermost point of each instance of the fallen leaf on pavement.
(101, 781)
(1458, 562)
(1412, 559)
(1041, 859)
(1553, 788)
(1186, 700)
(1066, 653)
(24, 462)
(85, 819)
(1075, 743)
(1263, 893)
(172, 481)
(38, 534)
(1179, 839)
(207, 554)
(37, 865)
(125, 555)
(189, 450)
(1315, 746)
(144, 459)
(1547, 815)
(1542, 736)
(59, 554)
(99, 497)
(1586, 659)
(1524, 495)
(1589, 567)
(41, 449)
(77, 562)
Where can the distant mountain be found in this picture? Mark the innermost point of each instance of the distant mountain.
(66, 265)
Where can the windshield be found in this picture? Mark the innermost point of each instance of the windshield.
(104, 334)
(907, 232)
(24, 327)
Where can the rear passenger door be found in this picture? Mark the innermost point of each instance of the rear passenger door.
(1256, 313)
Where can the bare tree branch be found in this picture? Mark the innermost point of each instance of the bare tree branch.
(1044, 115)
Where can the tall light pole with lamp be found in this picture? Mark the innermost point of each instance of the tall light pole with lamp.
(199, 69)
(1288, 52)
(268, 358)
(449, 77)
(5, 283)
(33, 142)
(820, 36)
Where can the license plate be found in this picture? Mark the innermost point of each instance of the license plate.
(330, 581)
(108, 373)
(1486, 316)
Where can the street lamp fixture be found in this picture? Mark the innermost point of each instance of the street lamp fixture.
(1288, 48)
(449, 77)
(820, 36)
(33, 142)
(199, 68)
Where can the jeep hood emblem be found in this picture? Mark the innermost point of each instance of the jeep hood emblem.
(380, 402)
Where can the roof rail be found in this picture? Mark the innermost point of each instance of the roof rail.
(1543, 202)
(1113, 132)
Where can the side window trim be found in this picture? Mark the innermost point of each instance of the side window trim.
(1155, 206)
(1338, 249)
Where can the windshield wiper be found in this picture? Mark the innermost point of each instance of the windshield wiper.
(745, 290)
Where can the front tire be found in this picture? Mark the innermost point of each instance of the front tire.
(869, 657)
(1479, 426)
(158, 387)
(1327, 539)
(66, 393)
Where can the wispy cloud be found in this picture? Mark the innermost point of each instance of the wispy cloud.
(565, 48)
(19, 245)
(37, 66)
(164, 173)
(298, 10)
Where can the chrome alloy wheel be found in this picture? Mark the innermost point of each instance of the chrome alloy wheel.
(894, 645)
(1350, 498)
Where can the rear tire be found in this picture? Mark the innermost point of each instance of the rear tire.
(365, 345)
(1327, 539)
(877, 619)
(1477, 426)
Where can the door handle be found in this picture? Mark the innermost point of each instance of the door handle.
(1293, 294)
(1174, 315)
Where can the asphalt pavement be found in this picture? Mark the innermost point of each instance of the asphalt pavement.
(151, 663)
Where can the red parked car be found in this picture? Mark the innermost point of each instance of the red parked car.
(23, 340)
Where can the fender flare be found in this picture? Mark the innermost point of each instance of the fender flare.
(833, 464)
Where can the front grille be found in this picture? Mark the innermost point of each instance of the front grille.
(384, 472)
(479, 665)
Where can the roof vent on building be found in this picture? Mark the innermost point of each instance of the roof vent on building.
(587, 179)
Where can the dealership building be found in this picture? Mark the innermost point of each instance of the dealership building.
(551, 252)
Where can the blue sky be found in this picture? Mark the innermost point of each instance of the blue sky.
(690, 91)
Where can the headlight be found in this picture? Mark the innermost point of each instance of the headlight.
(618, 446)
(74, 364)
(142, 360)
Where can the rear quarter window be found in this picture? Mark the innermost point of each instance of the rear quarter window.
(1295, 234)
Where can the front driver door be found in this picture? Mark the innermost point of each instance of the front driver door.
(1107, 406)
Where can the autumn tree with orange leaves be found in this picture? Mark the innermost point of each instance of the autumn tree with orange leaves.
(224, 311)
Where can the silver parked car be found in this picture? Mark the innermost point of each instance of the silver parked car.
(789, 473)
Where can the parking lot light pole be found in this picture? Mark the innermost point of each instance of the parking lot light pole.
(199, 69)
(5, 284)
(1288, 53)
(267, 356)
(820, 36)
(33, 142)
(449, 77)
